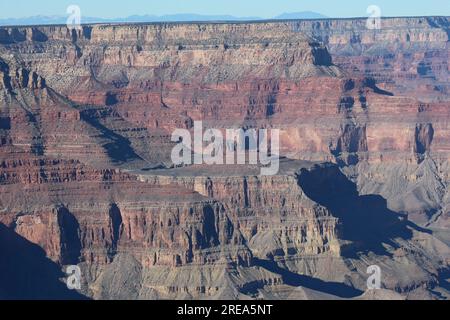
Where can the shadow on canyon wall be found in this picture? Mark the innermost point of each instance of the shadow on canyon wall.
(290, 278)
(27, 274)
(119, 149)
(365, 220)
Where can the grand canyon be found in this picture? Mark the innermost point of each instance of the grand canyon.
(87, 179)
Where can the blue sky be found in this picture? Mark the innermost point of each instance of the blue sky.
(239, 8)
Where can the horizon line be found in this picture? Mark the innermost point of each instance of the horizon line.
(262, 20)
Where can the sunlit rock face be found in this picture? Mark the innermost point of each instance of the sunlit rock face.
(86, 176)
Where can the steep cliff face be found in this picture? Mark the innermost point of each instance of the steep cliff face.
(269, 211)
(85, 172)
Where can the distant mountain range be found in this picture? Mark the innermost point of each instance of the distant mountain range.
(44, 20)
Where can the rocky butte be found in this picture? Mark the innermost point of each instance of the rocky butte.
(86, 178)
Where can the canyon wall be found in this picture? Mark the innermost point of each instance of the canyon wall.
(86, 118)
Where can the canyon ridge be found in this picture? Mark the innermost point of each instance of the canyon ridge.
(86, 177)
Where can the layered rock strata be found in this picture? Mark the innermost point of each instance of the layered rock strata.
(86, 119)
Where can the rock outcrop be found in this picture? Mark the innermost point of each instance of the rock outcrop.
(86, 119)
